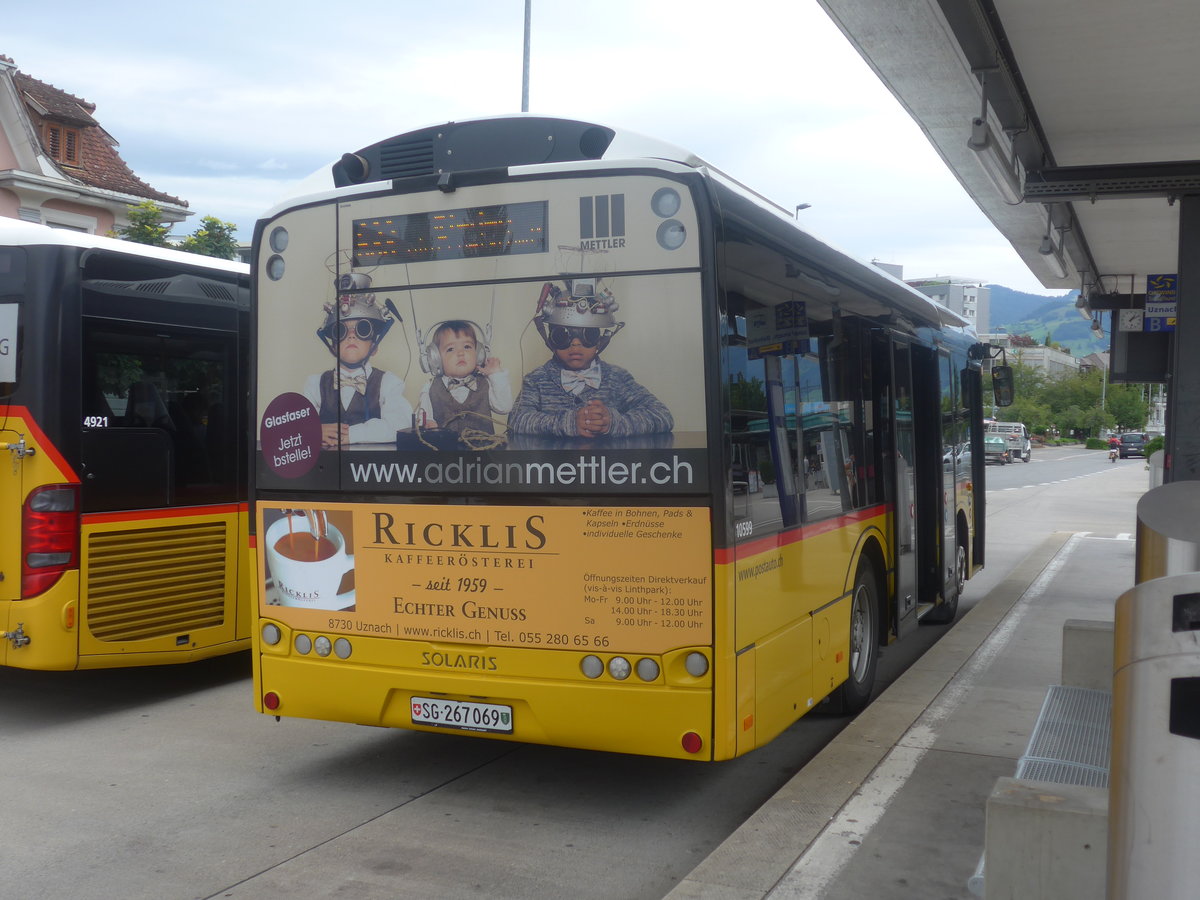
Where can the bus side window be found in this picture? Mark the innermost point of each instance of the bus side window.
(145, 408)
(764, 475)
(840, 471)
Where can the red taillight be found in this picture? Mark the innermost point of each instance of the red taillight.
(692, 742)
(49, 537)
(271, 700)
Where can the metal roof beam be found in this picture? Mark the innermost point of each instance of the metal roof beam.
(1123, 180)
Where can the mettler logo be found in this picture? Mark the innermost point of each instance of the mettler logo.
(602, 222)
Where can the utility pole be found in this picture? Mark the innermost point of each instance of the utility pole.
(525, 67)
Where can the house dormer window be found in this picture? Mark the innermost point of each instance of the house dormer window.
(62, 143)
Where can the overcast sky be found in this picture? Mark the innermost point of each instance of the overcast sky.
(228, 103)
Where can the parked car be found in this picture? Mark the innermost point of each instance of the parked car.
(1133, 443)
(995, 449)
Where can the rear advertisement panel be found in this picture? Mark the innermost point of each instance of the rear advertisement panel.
(543, 336)
(637, 579)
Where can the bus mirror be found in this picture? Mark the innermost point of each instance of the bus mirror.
(1002, 385)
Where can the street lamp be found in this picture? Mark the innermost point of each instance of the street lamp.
(800, 206)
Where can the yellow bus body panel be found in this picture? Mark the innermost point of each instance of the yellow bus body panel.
(159, 588)
(552, 701)
(781, 638)
(792, 624)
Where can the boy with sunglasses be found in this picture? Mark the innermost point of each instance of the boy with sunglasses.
(575, 394)
(357, 403)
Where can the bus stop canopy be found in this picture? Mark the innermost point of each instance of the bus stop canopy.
(1074, 126)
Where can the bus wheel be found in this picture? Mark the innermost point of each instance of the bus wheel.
(855, 692)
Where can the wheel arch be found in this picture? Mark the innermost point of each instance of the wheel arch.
(870, 548)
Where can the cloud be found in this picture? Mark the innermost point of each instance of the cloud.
(767, 90)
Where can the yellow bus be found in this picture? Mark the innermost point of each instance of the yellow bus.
(567, 437)
(123, 452)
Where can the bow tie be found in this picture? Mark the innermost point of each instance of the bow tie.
(468, 382)
(575, 382)
(358, 382)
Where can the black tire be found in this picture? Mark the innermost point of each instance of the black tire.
(855, 692)
(1028, 454)
(944, 612)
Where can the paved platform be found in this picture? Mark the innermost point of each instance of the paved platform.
(894, 807)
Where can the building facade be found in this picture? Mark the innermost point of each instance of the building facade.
(969, 298)
(59, 167)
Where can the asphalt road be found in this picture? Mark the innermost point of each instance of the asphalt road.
(163, 783)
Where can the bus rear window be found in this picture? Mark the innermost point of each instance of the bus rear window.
(12, 291)
(9, 324)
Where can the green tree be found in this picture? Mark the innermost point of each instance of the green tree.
(213, 238)
(1127, 405)
(1037, 417)
(145, 225)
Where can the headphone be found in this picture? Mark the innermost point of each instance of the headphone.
(430, 356)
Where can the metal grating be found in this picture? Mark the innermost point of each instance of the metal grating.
(155, 582)
(1071, 740)
(406, 158)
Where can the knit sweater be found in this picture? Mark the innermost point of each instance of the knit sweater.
(545, 407)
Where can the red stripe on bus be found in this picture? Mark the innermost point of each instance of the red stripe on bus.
(727, 555)
(159, 513)
(45, 445)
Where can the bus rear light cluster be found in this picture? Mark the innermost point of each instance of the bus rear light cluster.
(49, 537)
(305, 644)
(322, 646)
(619, 668)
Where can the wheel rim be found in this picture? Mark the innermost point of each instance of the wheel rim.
(860, 631)
(960, 569)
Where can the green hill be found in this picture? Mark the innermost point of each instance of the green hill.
(1016, 312)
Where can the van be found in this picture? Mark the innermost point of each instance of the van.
(1017, 437)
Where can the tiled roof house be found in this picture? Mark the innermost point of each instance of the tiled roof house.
(59, 167)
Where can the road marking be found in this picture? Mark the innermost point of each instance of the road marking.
(817, 868)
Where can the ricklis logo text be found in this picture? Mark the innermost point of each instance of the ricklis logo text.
(527, 535)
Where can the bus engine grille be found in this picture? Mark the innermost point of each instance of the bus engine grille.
(155, 582)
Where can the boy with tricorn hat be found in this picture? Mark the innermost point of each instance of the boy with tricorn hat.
(357, 402)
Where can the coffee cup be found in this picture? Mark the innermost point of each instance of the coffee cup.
(308, 568)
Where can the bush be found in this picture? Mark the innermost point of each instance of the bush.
(1153, 444)
(1096, 444)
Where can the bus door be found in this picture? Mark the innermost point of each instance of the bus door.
(12, 285)
(950, 440)
(905, 533)
(12, 494)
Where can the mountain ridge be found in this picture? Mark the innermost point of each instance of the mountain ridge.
(1035, 315)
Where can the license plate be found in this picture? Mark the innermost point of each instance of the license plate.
(462, 715)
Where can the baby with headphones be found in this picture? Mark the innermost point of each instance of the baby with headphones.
(575, 394)
(357, 402)
(467, 386)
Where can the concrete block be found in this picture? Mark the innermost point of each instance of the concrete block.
(1087, 654)
(1045, 841)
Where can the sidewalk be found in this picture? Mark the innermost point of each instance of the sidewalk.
(894, 806)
